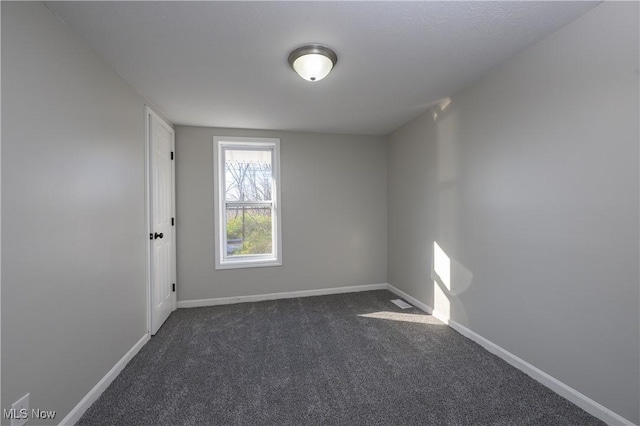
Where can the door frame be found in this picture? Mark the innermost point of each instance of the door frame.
(148, 114)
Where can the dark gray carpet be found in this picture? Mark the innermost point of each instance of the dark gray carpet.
(348, 359)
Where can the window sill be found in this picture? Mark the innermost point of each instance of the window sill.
(242, 264)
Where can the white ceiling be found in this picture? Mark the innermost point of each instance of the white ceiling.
(224, 64)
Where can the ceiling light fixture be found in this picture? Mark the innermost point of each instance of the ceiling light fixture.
(313, 61)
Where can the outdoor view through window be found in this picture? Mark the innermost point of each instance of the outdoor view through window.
(248, 201)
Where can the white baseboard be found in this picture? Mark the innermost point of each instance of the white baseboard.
(587, 404)
(77, 411)
(275, 296)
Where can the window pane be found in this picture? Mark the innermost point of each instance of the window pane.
(249, 231)
(248, 175)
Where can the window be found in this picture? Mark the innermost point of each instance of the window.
(247, 202)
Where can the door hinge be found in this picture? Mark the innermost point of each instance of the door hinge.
(172, 155)
(174, 287)
(173, 221)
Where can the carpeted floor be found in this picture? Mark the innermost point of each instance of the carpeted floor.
(347, 359)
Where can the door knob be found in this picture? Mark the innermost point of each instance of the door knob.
(156, 235)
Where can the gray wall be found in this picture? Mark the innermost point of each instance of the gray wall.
(529, 182)
(73, 240)
(333, 215)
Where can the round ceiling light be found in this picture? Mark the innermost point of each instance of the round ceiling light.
(313, 62)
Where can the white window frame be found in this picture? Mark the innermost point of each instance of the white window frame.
(219, 211)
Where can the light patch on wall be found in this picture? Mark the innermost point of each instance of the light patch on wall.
(441, 303)
(442, 265)
(441, 278)
(439, 107)
(443, 104)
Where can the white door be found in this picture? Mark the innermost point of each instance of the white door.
(162, 221)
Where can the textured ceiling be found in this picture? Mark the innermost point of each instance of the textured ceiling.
(224, 64)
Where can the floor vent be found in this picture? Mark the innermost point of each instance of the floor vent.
(401, 304)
